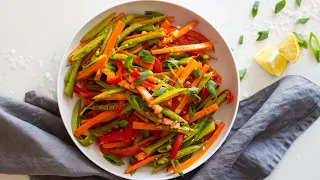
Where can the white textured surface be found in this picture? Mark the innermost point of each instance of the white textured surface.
(34, 34)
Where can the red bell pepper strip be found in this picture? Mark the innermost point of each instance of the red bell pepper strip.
(116, 78)
(204, 93)
(129, 151)
(128, 130)
(135, 74)
(157, 67)
(84, 93)
(198, 36)
(119, 107)
(185, 115)
(229, 98)
(110, 137)
(176, 145)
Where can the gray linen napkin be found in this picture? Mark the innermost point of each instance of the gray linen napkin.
(34, 142)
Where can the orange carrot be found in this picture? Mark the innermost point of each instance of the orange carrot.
(107, 53)
(77, 48)
(178, 73)
(98, 75)
(165, 24)
(116, 144)
(115, 97)
(145, 126)
(142, 163)
(126, 85)
(141, 117)
(187, 71)
(167, 73)
(121, 15)
(175, 35)
(85, 121)
(204, 112)
(195, 82)
(148, 97)
(149, 85)
(183, 48)
(170, 18)
(205, 148)
(151, 79)
(142, 155)
(104, 116)
(137, 60)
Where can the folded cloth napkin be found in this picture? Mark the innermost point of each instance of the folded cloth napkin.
(34, 142)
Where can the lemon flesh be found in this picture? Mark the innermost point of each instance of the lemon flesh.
(290, 49)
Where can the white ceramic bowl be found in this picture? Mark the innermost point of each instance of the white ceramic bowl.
(225, 66)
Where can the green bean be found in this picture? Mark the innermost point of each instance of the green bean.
(113, 159)
(138, 139)
(168, 95)
(87, 140)
(105, 85)
(104, 107)
(109, 66)
(204, 81)
(221, 98)
(133, 42)
(209, 127)
(159, 143)
(74, 119)
(138, 25)
(105, 41)
(153, 13)
(185, 61)
(172, 115)
(69, 84)
(117, 56)
(183, 129)
(207, 100)
(100, 131)
(92, 60)
(165, 148)
(126, 20)
(179, 55)
(181, 153)
(66, 76)
(108, 92)
(98, 28)
(160, 167)
(86, 49)
(147, 28)
(146, 134)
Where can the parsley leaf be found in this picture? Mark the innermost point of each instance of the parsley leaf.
(280, 5)
(159, 92)
(197, 73)
(302, 21)
(210, 87)
(242, 73)
(146, 56)
(142, 77)
(302, 42)
(263, 35)
(298, 2)
(128, 62)
(255, 8)
(241, 39)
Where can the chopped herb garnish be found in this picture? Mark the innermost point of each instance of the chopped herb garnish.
(192, 110)
(280, 5)
(241, 39)
(298, 2)
(302, 42)
(263, 35)
(192, 91)
(146, 56)
(142, 77)
(242, 73)
(176, 163)
(210, 87)
(255, 8)
(315, 46)
(197, 73)
(123, 123)
(302, 21)
(128, 62)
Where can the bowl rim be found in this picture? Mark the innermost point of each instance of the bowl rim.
(210, 154)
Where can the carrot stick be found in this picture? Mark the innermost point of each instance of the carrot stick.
(165, 24)
(148, 97)
(178, 73)
(204, 112)
(98, 75)
(126, 85)
(141, 117)
(107, 53)
(167, 73)
(77, 48)
(173, 36)
(121, 15)
(105, 116)
(116, 144)
(205, 148)
(145, 126)
(142, 155)
(149, 85)
(142, 163)
(183, 48)
(151, 79)
(187, 71)
(115, 97)
(137, 60)
(85, 121)
(195, 82)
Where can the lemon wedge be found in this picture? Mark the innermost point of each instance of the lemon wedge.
(290, 49)
(271, 60)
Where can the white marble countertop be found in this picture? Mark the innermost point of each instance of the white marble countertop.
(34, 34)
